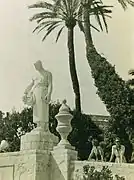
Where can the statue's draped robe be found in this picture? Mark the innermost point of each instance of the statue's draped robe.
(36, 98)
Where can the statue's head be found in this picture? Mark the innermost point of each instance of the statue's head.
(38, 65)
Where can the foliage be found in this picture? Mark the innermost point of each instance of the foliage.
(125, 3)
(63, 13)
(14, 125)
(112, 90)
(90, 173)
(83, 132)
(116, 95)
(53, 111)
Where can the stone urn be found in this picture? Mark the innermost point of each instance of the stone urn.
(64, 127)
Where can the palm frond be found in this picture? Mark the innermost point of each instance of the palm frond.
(80, 12)
(97, 16)
(80, 18)
(43, 15)
(64, 4)
(42, 4)
(94, 28)
(124, 3)
(50, 29)
(100, 12)
(59, 33)
(43, 28)
(80, 24)
(43, 25)
(57, 5)
(53, 24)
(76, 4)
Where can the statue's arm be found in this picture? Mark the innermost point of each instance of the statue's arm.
(27, 98)
(50, 86)
(29, 87)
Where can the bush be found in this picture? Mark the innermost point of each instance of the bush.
(90, 173)
(116, 94)
(83, 132)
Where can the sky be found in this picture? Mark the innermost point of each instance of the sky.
(20, 48)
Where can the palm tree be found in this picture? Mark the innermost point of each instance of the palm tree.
(66, 13)
(60, 14)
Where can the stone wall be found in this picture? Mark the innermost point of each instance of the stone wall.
(26, 165)
(100, 121)
(40, 165)
(126, 170)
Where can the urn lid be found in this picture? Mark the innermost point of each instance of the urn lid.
(64, 107)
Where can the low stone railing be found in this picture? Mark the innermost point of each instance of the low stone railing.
(40, 160)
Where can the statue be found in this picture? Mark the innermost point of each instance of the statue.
(38, 95)
(118, 151)
(96, 152)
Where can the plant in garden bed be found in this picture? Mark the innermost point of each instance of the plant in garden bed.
(90, 173)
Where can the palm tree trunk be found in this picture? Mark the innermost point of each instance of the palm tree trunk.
(72, 66)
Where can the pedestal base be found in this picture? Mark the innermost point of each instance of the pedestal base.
(64, 146)
(37, 139)
(25, 165)
(63, 159)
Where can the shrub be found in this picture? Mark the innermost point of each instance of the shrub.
(90, 173)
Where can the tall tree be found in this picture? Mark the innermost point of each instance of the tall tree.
(111, 88)
(60, 14)
(66, 13)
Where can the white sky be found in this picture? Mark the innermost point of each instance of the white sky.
(19, 49)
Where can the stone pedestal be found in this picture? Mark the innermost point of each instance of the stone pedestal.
(51, 161)
(38, 140)
(25, 165)
(63, 163)
(63, 154)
